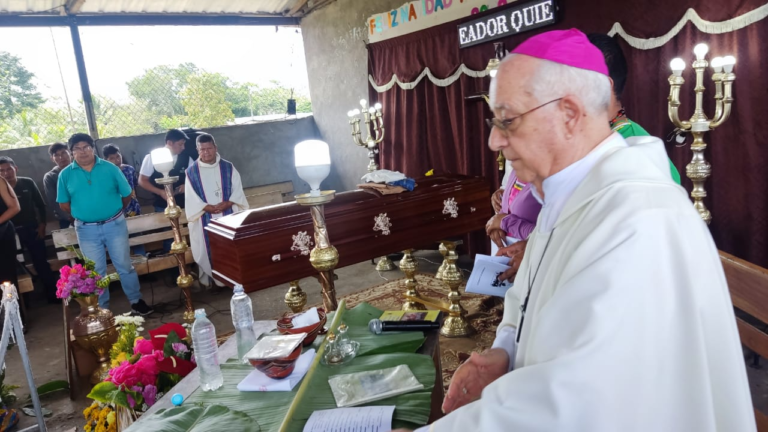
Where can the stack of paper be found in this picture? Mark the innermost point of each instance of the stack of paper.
(365, 419)
(484, 277)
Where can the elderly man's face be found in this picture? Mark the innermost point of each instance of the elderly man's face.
(207, 152)
(530, 141)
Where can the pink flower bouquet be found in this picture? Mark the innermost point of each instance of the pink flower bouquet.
(80, 281)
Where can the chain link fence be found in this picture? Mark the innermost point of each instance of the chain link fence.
(161, 98)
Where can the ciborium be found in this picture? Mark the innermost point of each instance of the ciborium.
(699, 124)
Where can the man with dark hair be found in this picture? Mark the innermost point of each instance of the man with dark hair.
(213, 189)
(174, 141)
(617, 72)
(30, 224)
(61, 157)
(111, 153)
(95, 192)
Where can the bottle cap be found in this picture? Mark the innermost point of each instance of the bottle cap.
(238, 289)
(200, 313)
(177, 399)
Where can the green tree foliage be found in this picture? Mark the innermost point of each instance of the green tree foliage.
(17, 91)
(162, 98)
(204, 99)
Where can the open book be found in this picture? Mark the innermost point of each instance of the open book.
(484, 277)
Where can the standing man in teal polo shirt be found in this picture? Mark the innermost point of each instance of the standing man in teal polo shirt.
(95, 192)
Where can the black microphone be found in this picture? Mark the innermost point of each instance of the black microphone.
(377, 326)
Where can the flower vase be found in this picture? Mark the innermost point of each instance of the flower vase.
(94, 330)
(125, 417)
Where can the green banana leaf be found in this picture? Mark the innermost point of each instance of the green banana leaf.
(269, 409)
(357, 320)
(192, 418)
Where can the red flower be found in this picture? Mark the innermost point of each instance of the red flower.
(160, 334)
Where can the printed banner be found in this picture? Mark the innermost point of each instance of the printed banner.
(513, 19)
(422, 14)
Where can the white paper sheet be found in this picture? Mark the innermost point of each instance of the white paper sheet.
(257, 381)
(483, 279)
(362, 419)
(306, 319)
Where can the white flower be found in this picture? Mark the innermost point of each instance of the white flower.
(140, 329)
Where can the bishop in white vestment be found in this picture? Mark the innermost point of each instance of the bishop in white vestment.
(213, 189)
(620, 318)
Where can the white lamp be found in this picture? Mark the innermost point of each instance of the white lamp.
(677, 65)
(700, 50)
(313, 163)
(728, 62)
(162, 159)
(717, 64)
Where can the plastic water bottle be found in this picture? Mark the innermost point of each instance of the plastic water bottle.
(206, 352)
(242, 319)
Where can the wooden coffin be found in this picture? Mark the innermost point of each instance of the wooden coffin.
(257, 248)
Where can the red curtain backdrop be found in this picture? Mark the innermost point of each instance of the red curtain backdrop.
(432, 127)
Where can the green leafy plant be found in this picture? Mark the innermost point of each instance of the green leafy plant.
(7, 394)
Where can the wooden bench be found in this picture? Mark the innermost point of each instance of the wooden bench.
(285, 190)
(144, 230)
(748, 285)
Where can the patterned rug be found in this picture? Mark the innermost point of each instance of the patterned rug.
(483, 312)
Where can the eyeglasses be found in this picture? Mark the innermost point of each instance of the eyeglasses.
(85, 149)
(504, 124)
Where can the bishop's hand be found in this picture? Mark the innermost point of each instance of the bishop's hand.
(473, 376)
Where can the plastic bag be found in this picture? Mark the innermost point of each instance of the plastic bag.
(383, 176)
(363, 387)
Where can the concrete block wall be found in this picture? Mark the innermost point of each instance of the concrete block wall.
(337, 65)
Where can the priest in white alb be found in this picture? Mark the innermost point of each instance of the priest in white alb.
(213, 189)
(620, 318)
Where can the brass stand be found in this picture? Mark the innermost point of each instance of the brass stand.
(324, 257)
(445, 246)
(699, 169)
(409, 266)
(179, 246)
(455, 324)
(385, 264)
(295, 298)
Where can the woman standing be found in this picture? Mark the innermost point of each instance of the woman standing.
(9, 207)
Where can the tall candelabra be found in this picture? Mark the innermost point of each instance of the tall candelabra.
(313, 164)
(163, 162)
(699, 169)
(369, 115)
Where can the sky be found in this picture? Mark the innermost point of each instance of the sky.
(115, 55)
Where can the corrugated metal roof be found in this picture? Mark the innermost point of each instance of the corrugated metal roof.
(228, 7)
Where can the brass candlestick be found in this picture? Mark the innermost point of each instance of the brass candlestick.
(370, 115)
(385, 264)
(179, 246)
(295, 298)
(699, 169)
(409, 266)
(445, 246)
(456, 324)
(323, 257)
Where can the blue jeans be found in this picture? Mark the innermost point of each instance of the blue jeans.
(167, 242)
(113, 236)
